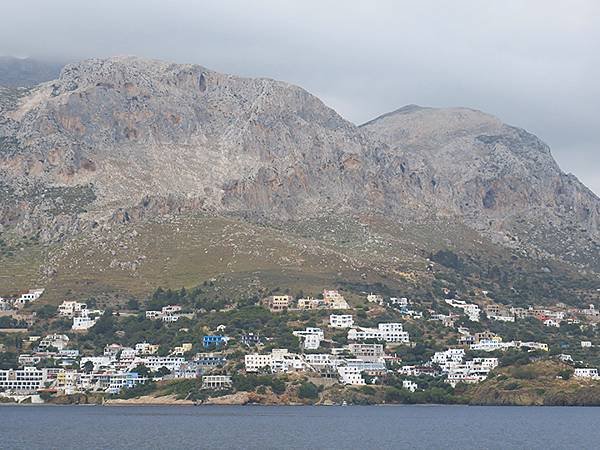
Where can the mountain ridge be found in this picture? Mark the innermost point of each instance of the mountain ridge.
(122, 139)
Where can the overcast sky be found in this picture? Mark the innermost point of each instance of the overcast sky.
(533, 63)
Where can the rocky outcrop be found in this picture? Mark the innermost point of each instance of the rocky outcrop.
(126, 139)
(500, 179)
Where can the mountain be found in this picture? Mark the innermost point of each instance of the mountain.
(128, 141)
(26, 72)
(501, 180)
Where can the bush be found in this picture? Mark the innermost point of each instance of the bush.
(308, 390)
(278, 386)
(524, 373)
(566, 374)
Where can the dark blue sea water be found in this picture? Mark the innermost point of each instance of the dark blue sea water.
(258, 427)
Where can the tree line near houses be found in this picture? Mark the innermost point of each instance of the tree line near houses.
(244, 315)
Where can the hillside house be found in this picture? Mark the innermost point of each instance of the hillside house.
(334, 300)
(214, 341)
(341, 320)
(216, 382)
(586, 373)
(388, 332)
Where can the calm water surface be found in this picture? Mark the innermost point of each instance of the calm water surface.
(258, 427)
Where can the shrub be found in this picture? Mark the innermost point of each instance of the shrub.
(308, 390)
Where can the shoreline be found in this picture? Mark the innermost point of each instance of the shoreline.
(187, 403)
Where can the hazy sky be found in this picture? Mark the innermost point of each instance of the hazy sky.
(533, 63)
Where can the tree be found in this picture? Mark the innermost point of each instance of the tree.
(143, 371)
(308, 390)
(46, 311)
(278, 386)
(133, 304)
(88, 367)
(162, 371)
(105, 324)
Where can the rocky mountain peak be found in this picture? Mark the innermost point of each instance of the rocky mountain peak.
(128, 137)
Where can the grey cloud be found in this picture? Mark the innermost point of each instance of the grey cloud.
(534, 64)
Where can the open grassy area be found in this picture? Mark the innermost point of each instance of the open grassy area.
(359, 253)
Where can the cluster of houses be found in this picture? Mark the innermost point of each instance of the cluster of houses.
(471, 310)
(110, 372)
(361, 361)
(348, 363)
(83, 318)
(169, 313)
(20, 300)
(331, 299)
(458, 370)
(312, 337)
(549, 317)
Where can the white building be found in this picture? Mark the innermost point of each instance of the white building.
(153, 315)
(83, 321)
(586, 344)
(216, 382)
(169, 313)
(58, 341)
(28, 360)
(471, 310)
(280, 360)
(311, 337)
(375, 298)
(112, 350)
(448, 359)
(334, 300)
(154, 363)
(591, 311)
(532, 345)
(23, 381)
(312, 342)
(388, 332)
(70, 308)
(490, 345)
(410, 385)
(255, 362)
(473, 371)
(400, 302)
(341, 320)
(552, 323)
(98, 362)
(350, 375)
(30, 296)
(128, 354)
(586, 373)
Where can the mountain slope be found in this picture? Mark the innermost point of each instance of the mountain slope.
(124, 140)
(136, 128)
(502, 180)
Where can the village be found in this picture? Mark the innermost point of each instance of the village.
(339, 345)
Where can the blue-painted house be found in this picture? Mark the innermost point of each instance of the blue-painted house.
(214, 341)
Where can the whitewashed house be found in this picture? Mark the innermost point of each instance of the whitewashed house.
(341, 320)
(388, 332)
(350, 375)
(70, 308)
(586, 373)
(409, 385)
(375, 298)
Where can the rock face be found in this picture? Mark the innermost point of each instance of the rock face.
(500, 179)
(126, 138)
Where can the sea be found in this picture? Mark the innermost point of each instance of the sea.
(298, 427)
